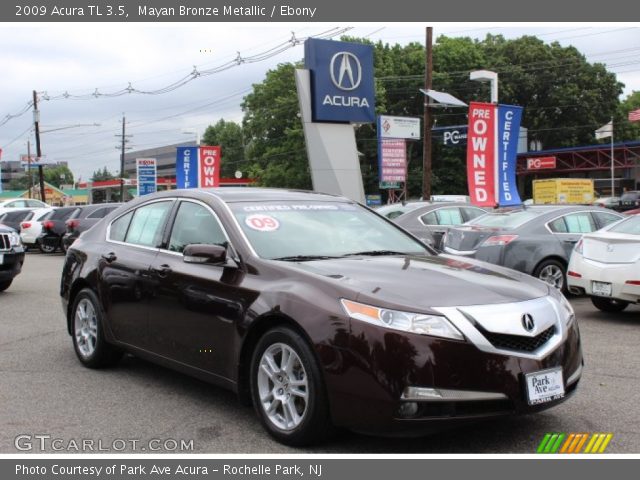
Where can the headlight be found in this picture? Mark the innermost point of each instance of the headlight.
(14, 239)
(420, 323)
(567, 308)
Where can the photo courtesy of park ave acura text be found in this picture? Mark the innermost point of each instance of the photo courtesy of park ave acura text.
(266, 235)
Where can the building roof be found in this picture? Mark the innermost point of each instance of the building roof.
(11, 193)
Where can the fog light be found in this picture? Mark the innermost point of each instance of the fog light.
(408, 410)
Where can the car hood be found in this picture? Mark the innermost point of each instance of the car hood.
(425, 282)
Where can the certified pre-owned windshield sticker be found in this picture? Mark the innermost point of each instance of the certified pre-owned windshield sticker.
(262, 223)
(296, 207)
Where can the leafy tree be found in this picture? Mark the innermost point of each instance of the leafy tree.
(565, 98)
(102, 175)
(58, 175)
(231, 140)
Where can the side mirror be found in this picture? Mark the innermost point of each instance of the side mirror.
(205, 253)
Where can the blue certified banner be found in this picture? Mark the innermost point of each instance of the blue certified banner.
(509, 117)
(187, 167)
(342, 85)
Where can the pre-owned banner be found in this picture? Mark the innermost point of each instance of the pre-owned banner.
(481, 154)
(187, 167)
(509, 117)
(209, 171)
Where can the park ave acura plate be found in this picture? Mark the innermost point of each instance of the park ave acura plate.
(544, 386)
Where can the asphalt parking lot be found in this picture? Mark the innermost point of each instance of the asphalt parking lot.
(45, 391)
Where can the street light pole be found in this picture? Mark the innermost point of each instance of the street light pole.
(487, 76)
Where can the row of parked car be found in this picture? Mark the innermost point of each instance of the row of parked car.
(542, 240)
(50, 228)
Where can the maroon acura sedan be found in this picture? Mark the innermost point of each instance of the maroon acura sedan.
(318, 311)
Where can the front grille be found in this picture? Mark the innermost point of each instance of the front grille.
(517, 342)
(4, 241)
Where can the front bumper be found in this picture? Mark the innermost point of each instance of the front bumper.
(381, 366)
(11, 264)
(615, 274)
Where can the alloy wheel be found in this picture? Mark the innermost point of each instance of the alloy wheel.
(86, 328)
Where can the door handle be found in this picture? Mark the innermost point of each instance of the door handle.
(162, 271)
(109, 257)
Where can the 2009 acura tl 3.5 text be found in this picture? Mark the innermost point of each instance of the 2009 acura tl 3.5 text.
(318, 311)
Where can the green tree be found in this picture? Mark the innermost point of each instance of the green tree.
(102, 175)
(58, 175)
(231, 140)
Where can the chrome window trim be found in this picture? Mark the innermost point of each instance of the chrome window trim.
(133, 209)
(197, 202)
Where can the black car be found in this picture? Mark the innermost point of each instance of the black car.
(83, 219)
(11, 256)
(537, 240)
(318, 311)
(14, 218)
(629, 201)
(53, 228)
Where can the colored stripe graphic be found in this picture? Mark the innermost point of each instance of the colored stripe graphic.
(574, 443)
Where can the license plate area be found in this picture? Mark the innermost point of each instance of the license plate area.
(602, 289)
(544, 386)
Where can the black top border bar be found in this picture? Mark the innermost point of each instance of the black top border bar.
(319, 11)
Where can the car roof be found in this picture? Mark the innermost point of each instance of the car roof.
(252, 194)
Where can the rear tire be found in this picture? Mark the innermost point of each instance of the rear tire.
(609, 304)
(4, 285)
(288, 390)
(552, 272)
(47, 248)
(87, 332)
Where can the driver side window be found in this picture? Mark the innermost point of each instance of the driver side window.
(194, 224)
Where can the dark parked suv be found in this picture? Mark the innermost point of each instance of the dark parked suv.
(53, 228)
(11, 256)
(629, 201)
(83, 219)
(13, 218)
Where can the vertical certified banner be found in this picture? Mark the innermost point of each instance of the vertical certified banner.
(187, 167)
(509, 117)
(147, 174)
(209, 171)
(481, 154)
(392, 160)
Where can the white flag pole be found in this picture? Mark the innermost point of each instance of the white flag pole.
(613, 191)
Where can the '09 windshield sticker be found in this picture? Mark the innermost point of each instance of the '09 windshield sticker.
(262, 223)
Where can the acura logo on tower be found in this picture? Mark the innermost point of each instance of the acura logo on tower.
(528, 323)
(346, 71)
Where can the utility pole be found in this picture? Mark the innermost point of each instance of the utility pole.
(426, 145)
(36, 122)
(122, 148)
(29, 167)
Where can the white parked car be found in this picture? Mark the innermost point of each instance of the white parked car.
(606, 265)
(15, 203)
(31, 227)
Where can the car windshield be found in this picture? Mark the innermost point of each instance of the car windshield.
(629, 225)
(311, 230)
(505, 220)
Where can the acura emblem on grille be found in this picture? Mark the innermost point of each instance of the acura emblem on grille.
(527, 322)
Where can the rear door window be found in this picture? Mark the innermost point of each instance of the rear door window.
(580, 222)
(147, 224)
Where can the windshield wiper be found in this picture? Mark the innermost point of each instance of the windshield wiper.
(374, 253)
(303, 258)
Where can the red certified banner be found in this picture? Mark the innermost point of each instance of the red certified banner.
(209, 167)
(481, 154)
(540, 163)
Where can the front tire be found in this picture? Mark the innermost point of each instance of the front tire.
(552, 272)
(287, 389)
(610, 305)
(88, 334)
